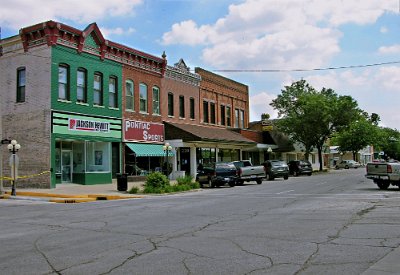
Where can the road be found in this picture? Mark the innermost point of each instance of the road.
(331, 223)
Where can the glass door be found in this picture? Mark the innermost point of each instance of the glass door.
(66, 166)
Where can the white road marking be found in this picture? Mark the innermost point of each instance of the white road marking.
(288, 191)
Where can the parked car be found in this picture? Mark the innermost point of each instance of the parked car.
(248, 172)
(299, 167)
(222, 174)
(276, 169)
(348, 163)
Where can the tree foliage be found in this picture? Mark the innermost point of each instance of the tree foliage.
(310, 117)
(358, 135)
(388, 141)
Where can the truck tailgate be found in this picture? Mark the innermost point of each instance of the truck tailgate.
(377, 169)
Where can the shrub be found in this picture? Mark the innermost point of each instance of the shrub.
(156, 180)
(186, 180)
(134, 190)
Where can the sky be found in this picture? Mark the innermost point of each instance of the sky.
(350, 46)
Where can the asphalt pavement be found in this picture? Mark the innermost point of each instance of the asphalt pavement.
(76, 193)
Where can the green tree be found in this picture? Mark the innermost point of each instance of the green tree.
(388, 141)
(358, 135)
(310, 117)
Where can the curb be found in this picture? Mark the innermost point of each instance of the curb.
(65, 198)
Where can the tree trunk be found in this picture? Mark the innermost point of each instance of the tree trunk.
(320, 157)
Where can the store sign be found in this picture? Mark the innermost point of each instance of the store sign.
(75, 124)
(143, 131)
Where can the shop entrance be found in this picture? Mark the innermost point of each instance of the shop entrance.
(66, 166)
(185, 159)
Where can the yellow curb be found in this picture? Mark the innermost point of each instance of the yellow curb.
(72, 200)
(5, 196)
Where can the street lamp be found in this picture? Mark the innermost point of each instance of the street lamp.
(167, 148)
(13, 147)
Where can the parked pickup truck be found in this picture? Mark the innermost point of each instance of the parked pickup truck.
(248, 172)
(384, 173)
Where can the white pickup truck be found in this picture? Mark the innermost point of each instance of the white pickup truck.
(384, 174)
(247, 172)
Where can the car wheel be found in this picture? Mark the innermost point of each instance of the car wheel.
(337, 167)
(309, 174)
(346, 167)
(285, 177)
(211, 184)
(231, 183)
(259, 181)
(383, 185)
(295, 173)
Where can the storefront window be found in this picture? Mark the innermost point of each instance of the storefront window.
(206, 156)
(78, 156)
(227, 155)
(98, 157)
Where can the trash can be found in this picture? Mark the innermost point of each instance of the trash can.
(122, 181)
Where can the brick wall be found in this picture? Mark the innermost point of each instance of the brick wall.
(223, 91)
(27, 122)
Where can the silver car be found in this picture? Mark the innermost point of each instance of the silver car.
(348, 163)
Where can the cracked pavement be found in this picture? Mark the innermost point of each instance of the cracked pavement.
(325, 224)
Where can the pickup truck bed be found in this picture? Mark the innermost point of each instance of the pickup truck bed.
(384, 174)
(248, 172)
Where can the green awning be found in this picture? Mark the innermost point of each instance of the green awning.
(148, 150)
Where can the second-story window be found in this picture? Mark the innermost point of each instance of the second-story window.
(156, 101)
(222, 115)
(81, 94)
(143, 97)
(212, 112)
(170, 104)
(21, 72)
(228, 116)
(241, 118)
(98, 89)
(63, 82)
(191, 108)
(181, 106)
(205, 112)
(236, 118)
(129, 95)
(112, 92)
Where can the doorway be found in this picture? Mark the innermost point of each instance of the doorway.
(185, 159)
(66, 166)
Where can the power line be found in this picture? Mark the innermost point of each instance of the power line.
(305, 70)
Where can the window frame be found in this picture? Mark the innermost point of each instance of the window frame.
(84, 86)
(181, 106)
(236, 124)
(212, 113)
(206, 118)
(143, 98)
(170, 104)
(223, 113)
(21, 87)
(100, 90)
(65, 84)
(228, 116)
(113, 92)
(191, 108)
(156, 100)
(241, 118)
(130, 97)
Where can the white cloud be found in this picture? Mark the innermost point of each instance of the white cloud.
(259, 104)
(116, 31)
(394, 49)
(269, 34)
(383, 30)
(17, 13)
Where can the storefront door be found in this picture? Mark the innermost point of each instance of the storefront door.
(185, 159)
(66, 166)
